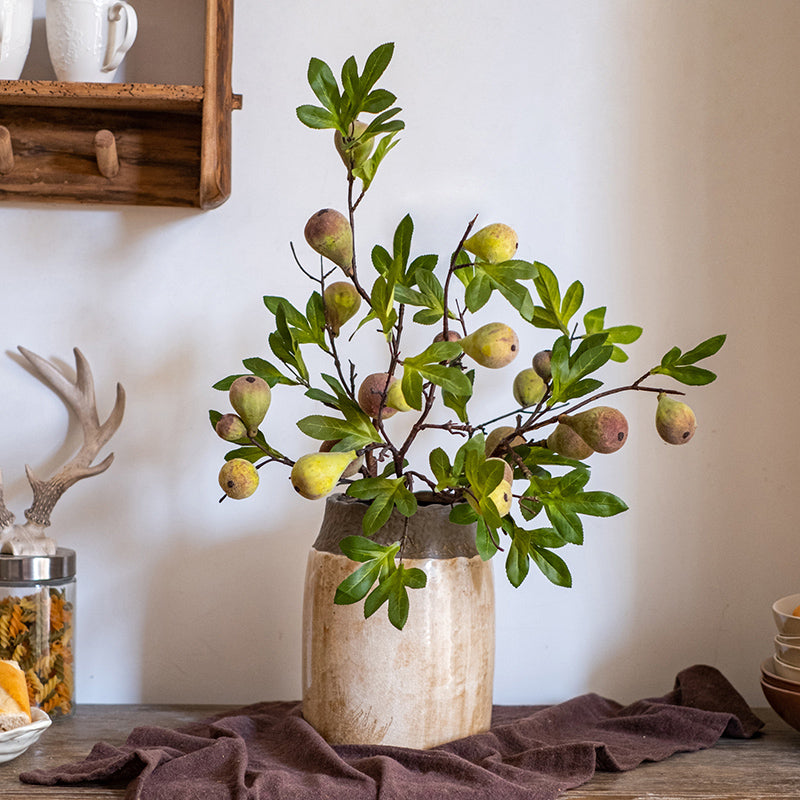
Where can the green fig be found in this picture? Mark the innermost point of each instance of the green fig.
(231, 428)
(508, 470)
(238, 478)
(541, 363)
(496, 436)
(315, 475)
(352, 149)
(604, 429)
(493, 345)
(395, 398)
(675, 421)
(370, 393)
(250, 397)
(564, 441)
(493, 244)
(353, 467)
(329, 233)
(500, 496)
(528, 387)
(342, 302)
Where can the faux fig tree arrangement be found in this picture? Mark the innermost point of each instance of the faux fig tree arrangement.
(521, 477)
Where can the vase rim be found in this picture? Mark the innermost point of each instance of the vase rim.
(428, 533)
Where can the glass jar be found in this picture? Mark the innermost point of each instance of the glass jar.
(37, 625)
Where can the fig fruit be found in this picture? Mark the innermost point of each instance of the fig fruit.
(395, 398)
(342, 302)
(493, 244)
(493, 345)
(564, 441)
(497, 435)
(352, 468)
(675, 421)
(370, 393)
(352, 149)
(250, 397)
(529, 388)
(231, 428)
(238, 478)
(603, 428)
(329, 233)
(541, 363)
(315, 475)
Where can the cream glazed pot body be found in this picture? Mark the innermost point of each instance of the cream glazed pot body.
(365, 682)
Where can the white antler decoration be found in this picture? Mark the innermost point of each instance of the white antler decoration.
(29, 539)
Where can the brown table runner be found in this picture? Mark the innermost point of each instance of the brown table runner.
(267, 750)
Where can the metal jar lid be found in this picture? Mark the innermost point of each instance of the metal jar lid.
(37, 569)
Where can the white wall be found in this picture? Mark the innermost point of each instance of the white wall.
(648, 148)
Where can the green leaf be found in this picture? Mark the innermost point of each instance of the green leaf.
(323, 84)
(393, 587)
(691, 376)
(458, 402)
(402, 244)
(484, 542)
(573, 298)
(463, 514)
(598, 504)
(546, 284)
(623, 334)
(366, 171)
(322, 427)
(564, 520)
(252, 454)
(376, 64)
(440, 467)
(671, 357)
(517, 560)
(385, 494)
(356, 586)
(359, 548)
(412, 386)
(263, 369)
(594, 320)
(316, 117)
(478, 292)
(377, 101)
(703, 350)
(551, 565)
(415, 578)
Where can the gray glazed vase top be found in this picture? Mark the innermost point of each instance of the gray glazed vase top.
(365, 682)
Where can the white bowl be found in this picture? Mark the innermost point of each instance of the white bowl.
(782, 614)
(787, 649)
(15, 742)
(786, 670)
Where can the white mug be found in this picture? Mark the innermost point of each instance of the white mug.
(87, 39)
(16, 21)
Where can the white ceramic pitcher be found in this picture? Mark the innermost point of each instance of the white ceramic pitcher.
(16, 21)
(87, 39)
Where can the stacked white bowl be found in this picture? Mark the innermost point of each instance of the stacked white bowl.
(780, 673)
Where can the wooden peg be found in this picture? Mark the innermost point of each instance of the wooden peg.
(6, 151)
(105, 146)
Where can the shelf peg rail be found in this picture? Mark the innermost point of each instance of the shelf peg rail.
(6, 151)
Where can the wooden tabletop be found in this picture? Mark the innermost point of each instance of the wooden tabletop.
(765, 768)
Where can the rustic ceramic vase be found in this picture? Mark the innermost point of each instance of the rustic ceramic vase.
(16, 22)
(364, 681)
(87, 39)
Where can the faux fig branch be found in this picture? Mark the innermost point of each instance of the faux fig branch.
(507, 478)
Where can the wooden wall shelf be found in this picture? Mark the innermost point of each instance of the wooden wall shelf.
(172, 143)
